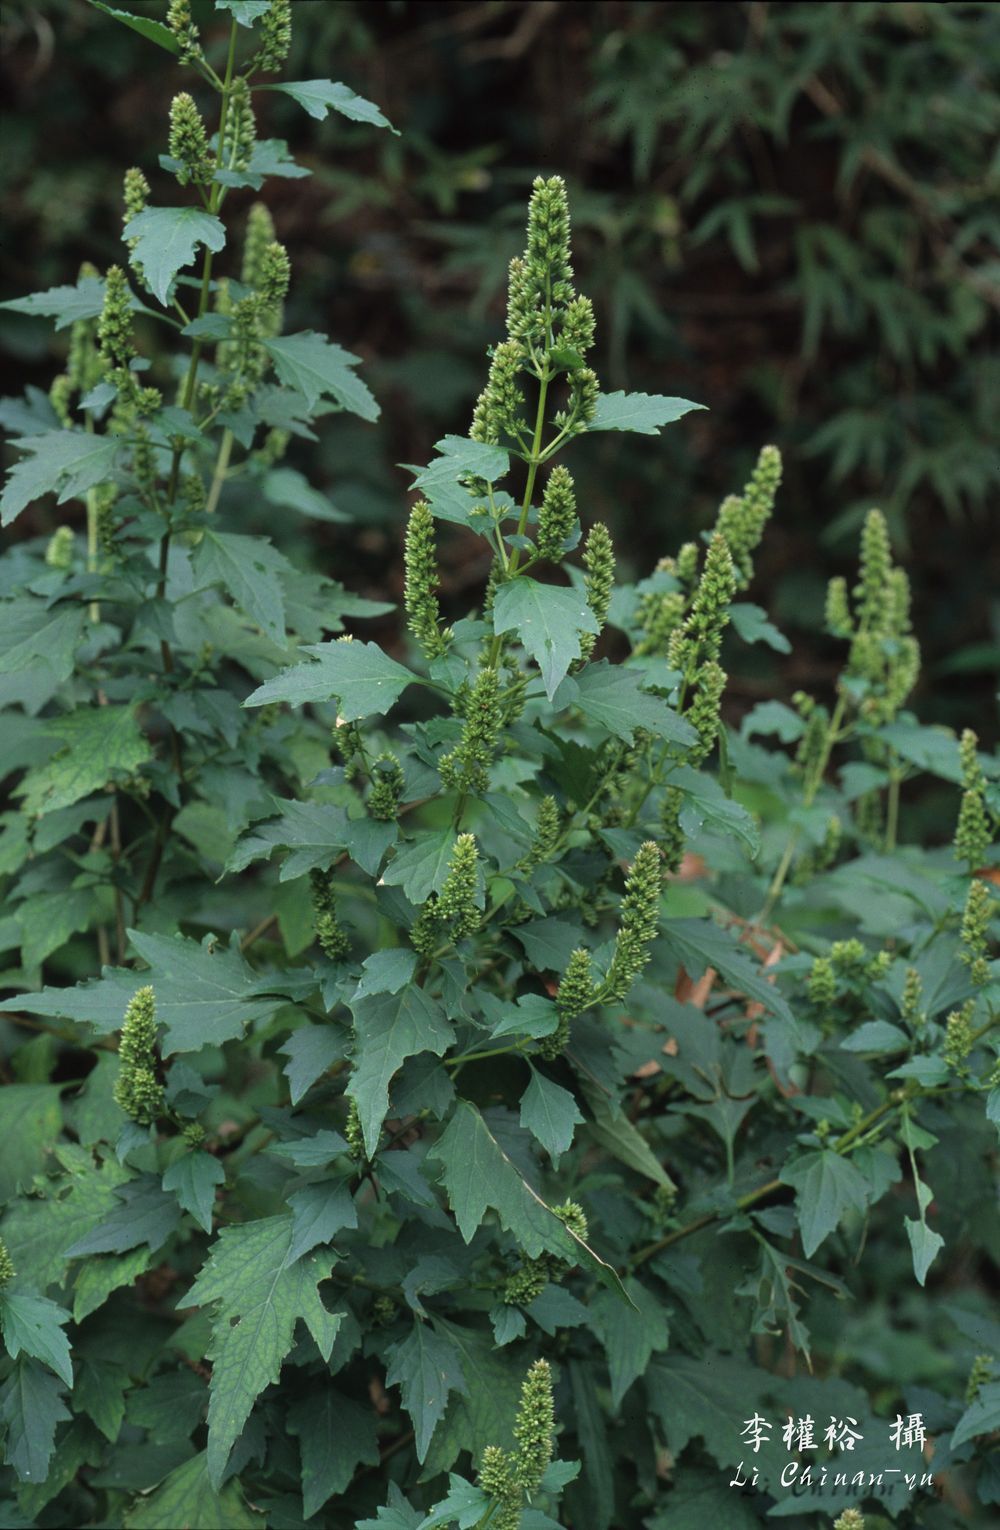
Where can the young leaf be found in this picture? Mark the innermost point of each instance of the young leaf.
(388, 1028)
(363, 678)
(167, 239)
(153, 31)
(193, 1178)
(827, 1186)
(250, 569)
(317, 369)
(548, 620)
(34, 1324)
(925, 1245)
(319, 97)
(258, 1298)
(549, 1112)
(646, 413)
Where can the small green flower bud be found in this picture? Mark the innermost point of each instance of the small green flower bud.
(909, 1004)
(535, 1427)
(59, 552)
(672, 840)
(275, 274)
(958, 1042)
(975, 928)
(420, 599)
(578, 325)
(742, 518)
(980, 1375)
(848, 955)
(387, 788)
(850, 1519)
(599, 581)
(455, 909)
(547, 256)
(546, 835)
(61, 397)
(704, 711)
(7, 1270)
(136, 1089)
(700, 637)
(276, 36)
(576, 989)
(575, 1218)
(194, 1134)
(525, 1283)
(838, 611)
(354, 1133)
(822, 982)
(189, 141)
(258, 236)
(557, 516)
(241, 127)
(135, 193)
(871, 592)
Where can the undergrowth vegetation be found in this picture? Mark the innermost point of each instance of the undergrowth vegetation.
(473, 1084)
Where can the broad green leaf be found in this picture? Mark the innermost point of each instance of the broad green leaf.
(319, 1213)
(751, 624)
(193, 1179)
(477, 1174)
(168, 238)
(925, 1245)
(484, 1413)
(314, 833)
(386, 971)
(187, 1497)
(336, 1436)
(98, 745)
(827, 1186)
(31, 1407)
(100, 1394)
(203, 997)
(34, 1324)
(618, 1136)
(101, 1004)
(464, 1505)
(66, 305)
(30, 1123)
(145, 1215)
(310, 1050)
(288, 489)
(700, 944)
(705, 803)
(101, 1274)
(153, 31)
(425, 1366)
(548, 620)
(38, 1228)
(316, 368)
(388, 1028)
(693, 1398)
(877, 1036)
(363, 678)
(246, 12)
(982, 1416)
(459, 457)
(646, 413)
(595, 1448)
(33, 633)
(319, 97)
(250, 570)
(613, 696)
(420, 865)
(549, 1112)
(630, 1335)
(64, 462)
(258, 1299)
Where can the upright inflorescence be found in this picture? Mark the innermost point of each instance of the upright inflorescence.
(189, 142)
(742, 518)
(276, 36)
(137, 1089)
(466, 767)
(639, 921)
(511, 1477)
(598, 583)
(423, 615)
(7, 1270)
(182, 26)
(557, 516)
(454, 912)
(700, 637)
(333, 939)
(975, 927)
(884, 659)
(973, 832)
(387, 786)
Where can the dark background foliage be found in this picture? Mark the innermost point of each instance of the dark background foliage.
(783, 211)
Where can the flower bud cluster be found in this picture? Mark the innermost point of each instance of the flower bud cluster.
(454, 912)
(421, 583)
(137, 1089)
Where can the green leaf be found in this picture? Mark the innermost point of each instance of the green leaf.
(31, 1407)
(618, 1136)
(478, 1174)
(316, 368)
(458, 458)
(288, 489)
(203, 996)
(65, 462)
(705, 803)
(751, 624)
(548, 620)
(102, 1274)
(315, 833)
(336, 1436)
(258, 1299)
(364, 679)
(193, 1179)
(827, 1186)
(99, 744)
(420, 865)
(146, 1215)
(167, 239)
(482, 1415)
(154, 31)
(187, 1497)
(463, 1505)
(30, 1123)
(386, 971)
(310, 1050)
(550, 1113)
(925, 1245)
(319, 1213)
(613, 696)
(250, 570)
(33, 634)
(388, 1028)
(646, 413)
(700, 944)
(100, 1394)
(319, 97)
(246, 12)
(598, 1463)
(38, 1228)
(692, 1397)
(34, 1324)
(67, 305)
(425, 1366)
(982, 1416)
(630, 1335)
(876, 1036)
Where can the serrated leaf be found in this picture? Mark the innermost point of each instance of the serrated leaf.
(246, 12)
(646, 413)
(425, 1366)
(827, 1186)
(203, 997)
(167, 239)
(705, 803)
(982, 1416)
(146, 1215)
(187, 1497)
(30, 1123)
(925, 1245)
(34, 1324)
(613, 696)
(153, 31)
(548, 620)
(316, 368)
(193, 1179)
(100, 1394)
(336, 1436)
(478, 1174)
(310, 1050)
(630, 1335)
(751, 624)
(388, 1028)
(386, 971)
(699, 944)
(319, 1212)
(692, 1397)
(314, 833)
(259, 1298)
(318, 97)
(250, 570)
(31, 1406)
(363, 678)
(64, 462)
(99, 744)
(67, 305)
(288, 489)
(420, 865)
(550, 1113)
(459, 457)
(32, 633)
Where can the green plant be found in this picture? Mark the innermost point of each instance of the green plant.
(508, 1100)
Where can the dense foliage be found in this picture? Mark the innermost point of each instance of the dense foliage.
(473, 1083)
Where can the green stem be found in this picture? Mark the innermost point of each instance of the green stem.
(219, 475)
(811, 788)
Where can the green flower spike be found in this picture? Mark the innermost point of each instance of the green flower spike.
(276, 36)
(387, 788)
(258, 236)
(114, 327)
(973, 834)
(136, 1089)
(909, 1004)
(535, 1428)
(975, 927)
(419, 598)
(546, 835)
(189, 141)
(466, 768)
(742, 518)
(557, 516)
(497, 411)
(639, 921)
(599, 581)
(980, 1375)
(333, 939)
(7, 1270)
(672, 838)
(838, 610)
(182, 26)
(822, 982)
(454, 910)
(703, 713)
(851, 1519)
(496, 1478)
(61, 392)
(700, 637)
(241, 128)
(59, 553)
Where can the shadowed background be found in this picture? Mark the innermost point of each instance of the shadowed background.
(787, 212)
